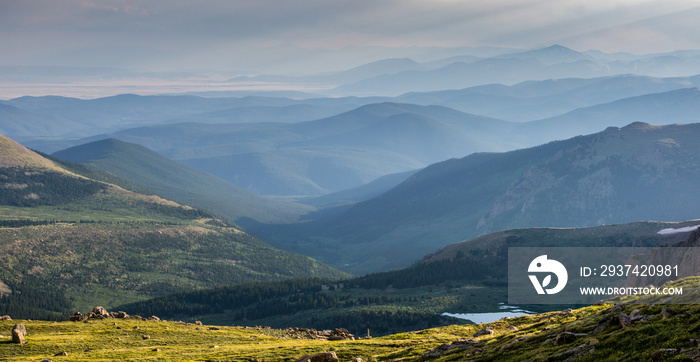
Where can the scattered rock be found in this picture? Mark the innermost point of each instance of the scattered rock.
(319, 357)
(154, 318)
(593, 341)
(120, 315)
(663, 353)
(357, 359)
(484, 331)
(64, 353)
(198, 323)
(694, 342)
(5, 318)
(146, 336)
(136, 327)
(339, 334)
(512, 328)
(77, 317)
(157, 350)
(214, 328)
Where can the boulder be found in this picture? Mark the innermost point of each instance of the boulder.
(340, 334)
(120, 315)
(319, 357)
(484, 331)
(5, 318)
(21, 328)
(17, 337)
(99, 312)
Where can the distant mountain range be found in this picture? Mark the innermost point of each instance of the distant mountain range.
(342, 167)
(638, 172)
(535, 100)
(327, 155)
(179, 182)
(356, 147)
(233, 138)
(553, 62)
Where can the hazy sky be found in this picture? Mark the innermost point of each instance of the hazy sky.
(239, 34)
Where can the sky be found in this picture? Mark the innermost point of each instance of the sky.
(248, 37)
(178, 35)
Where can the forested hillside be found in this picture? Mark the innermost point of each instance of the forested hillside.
(68, 241)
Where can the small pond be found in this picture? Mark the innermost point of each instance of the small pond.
(506, 311)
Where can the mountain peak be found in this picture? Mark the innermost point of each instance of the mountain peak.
(640, 126)
(553, 54)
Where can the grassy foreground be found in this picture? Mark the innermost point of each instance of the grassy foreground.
(623, 332)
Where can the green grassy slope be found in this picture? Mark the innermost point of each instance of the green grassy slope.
(594, 334)
(180, 182)
(71, 242)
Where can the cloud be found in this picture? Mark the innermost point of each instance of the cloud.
(182, 32)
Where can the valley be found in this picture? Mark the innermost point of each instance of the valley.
(375, 200)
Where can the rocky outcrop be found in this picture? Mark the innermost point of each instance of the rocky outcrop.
(616, 317)
(338, 334)
(102, 313)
